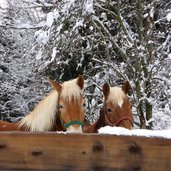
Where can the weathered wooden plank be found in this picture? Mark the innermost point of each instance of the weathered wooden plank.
(51, 151)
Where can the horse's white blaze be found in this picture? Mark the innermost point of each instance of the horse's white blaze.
(116, 95)
(74, 129)
(42, 117)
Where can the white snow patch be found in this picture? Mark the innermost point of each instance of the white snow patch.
(49, 19)
(149, 121)
(56, 15)
(42, 36)
(3, 4)
(78, 24)
(39, 55)
(169, 55)
(67, 6)
(135, 132)
(59, 29)
(25, 25)
(54, 54)
(88, 7)
(168, 17)
(61, 132)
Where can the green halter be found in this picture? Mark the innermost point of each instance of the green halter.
(73, 123)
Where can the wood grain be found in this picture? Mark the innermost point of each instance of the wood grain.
(52, 151)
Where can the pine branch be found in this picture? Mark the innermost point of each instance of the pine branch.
(118, 18)
(116, 46)
(140, 19)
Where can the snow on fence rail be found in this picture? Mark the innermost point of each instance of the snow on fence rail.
(53, 151)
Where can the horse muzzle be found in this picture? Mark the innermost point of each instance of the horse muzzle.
(74, 129)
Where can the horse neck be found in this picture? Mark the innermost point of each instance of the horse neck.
(58, 126)
(98, 124)
(101, 120)
(42, 118)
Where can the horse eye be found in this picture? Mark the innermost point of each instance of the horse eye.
(84, 104)
(109, 110)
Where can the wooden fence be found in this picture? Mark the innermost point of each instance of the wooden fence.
(52, 151)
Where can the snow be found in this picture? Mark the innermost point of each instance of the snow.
(72, 12)
(56, 14)
(42, 36)
(25, 25)
(135, 132)
(59, 28)
(88, 7)
(49, 19)
(54, 54)
(3, 4)
(169, 55)
(168, 17)
(39, 55)
(149, 121)
(67, 6)
(78, 24)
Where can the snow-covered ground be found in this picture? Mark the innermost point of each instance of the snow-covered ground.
(135, 132)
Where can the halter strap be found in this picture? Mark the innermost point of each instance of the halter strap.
(73, 123)
(66, 125)
(118, 121)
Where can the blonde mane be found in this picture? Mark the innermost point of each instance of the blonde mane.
(42, 118)
(70, 90)
(116, 95)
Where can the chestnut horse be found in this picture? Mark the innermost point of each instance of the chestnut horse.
(62, 109)
(116, 111)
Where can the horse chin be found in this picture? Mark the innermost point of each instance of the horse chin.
(75, 129)
(126, 124)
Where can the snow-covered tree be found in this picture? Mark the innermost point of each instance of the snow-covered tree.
(20, 86)
(110, 41)
(105, 40)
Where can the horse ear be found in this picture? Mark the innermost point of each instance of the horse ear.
(80, 81)
(126, 87)
(55, 85)
(106, 89)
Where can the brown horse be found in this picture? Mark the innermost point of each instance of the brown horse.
(70, 111)
(64, 106)
(116, 109)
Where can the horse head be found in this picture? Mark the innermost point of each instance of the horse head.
(70, 108)
(117, 107)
